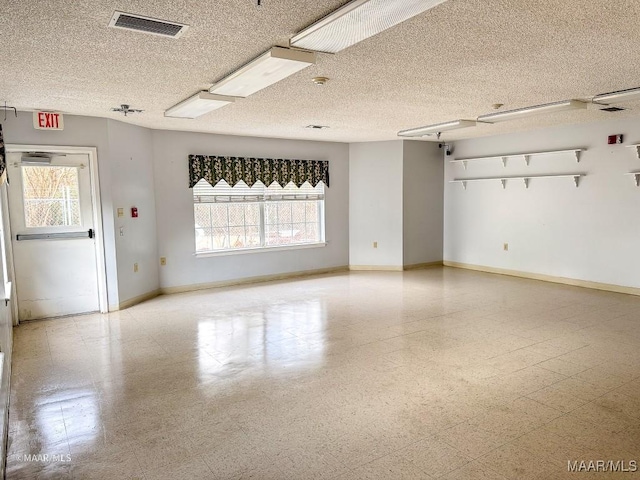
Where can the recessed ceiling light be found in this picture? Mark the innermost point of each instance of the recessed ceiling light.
(437, 128)
(320, 80)
(532, 111)
(265, 70)
(356, 21)
(197, 105)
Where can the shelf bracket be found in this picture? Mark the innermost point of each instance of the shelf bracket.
(504, 183)
(526, 182)
(577, 154)
(504, 161)
(464, 164)
(464, 185)
(527, 159)
(637, 149)
(576, 180)
(637, 177)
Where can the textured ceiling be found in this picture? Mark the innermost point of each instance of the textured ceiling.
(451, 62)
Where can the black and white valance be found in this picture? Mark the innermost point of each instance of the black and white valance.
(214, 168)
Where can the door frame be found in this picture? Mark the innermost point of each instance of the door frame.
(92, 152)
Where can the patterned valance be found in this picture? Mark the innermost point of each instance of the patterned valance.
(214, 168)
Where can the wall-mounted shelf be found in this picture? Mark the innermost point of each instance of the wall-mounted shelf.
(636, 176)
(576, 179)
(526, 155)
(637, 147)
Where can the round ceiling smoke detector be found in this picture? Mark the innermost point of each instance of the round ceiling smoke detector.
(320, 80)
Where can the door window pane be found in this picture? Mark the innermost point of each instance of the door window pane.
(51, 196)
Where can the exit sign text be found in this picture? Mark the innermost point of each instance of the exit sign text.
(48, 121)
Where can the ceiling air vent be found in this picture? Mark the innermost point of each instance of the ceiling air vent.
(612, 109)
(153, 26)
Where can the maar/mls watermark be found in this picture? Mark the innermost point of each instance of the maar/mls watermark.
(622, 466)
(43, 458)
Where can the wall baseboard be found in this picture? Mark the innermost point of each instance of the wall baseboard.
(249, 280)
(394, 268)
(547, 278)
(418, 266)
(135, 300)
(379, 268)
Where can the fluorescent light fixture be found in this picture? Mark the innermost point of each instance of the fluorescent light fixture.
(532, 111)
(620, 96)
(356, 21)
(435, 129)
(199, 104)
(271, 67)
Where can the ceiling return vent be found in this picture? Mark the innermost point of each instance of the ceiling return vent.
(129, 21)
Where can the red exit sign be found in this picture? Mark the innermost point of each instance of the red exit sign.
(48, 121)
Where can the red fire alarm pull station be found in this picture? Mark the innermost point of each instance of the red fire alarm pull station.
(614, 139)
(134, 212)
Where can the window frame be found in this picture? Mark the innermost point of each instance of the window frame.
(262, 204)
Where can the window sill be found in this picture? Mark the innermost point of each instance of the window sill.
(223, 253)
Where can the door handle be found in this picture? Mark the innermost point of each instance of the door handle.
(51, 236)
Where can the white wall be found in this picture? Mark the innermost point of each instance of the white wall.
(587, 233)
(149, 170)
(131, 162)
(422, 198)
(375, 204)
(78, 132)
(174, 203)
(125, 166)
(395, 199)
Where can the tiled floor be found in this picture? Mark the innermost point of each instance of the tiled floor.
(438, 373)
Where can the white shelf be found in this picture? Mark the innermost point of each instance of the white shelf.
(636, 177)
(526, 155)
(576, 179)
(637, 147)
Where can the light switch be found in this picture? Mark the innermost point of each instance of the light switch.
(121, 212)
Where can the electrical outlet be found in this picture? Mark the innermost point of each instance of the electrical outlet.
(505, 247)
(122, 231)
(163, 260)
(375, 244)
(135, 268)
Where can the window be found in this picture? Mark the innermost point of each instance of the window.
(50, 196)
(241, 217)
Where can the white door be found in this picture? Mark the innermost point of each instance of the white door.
(53, 238)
